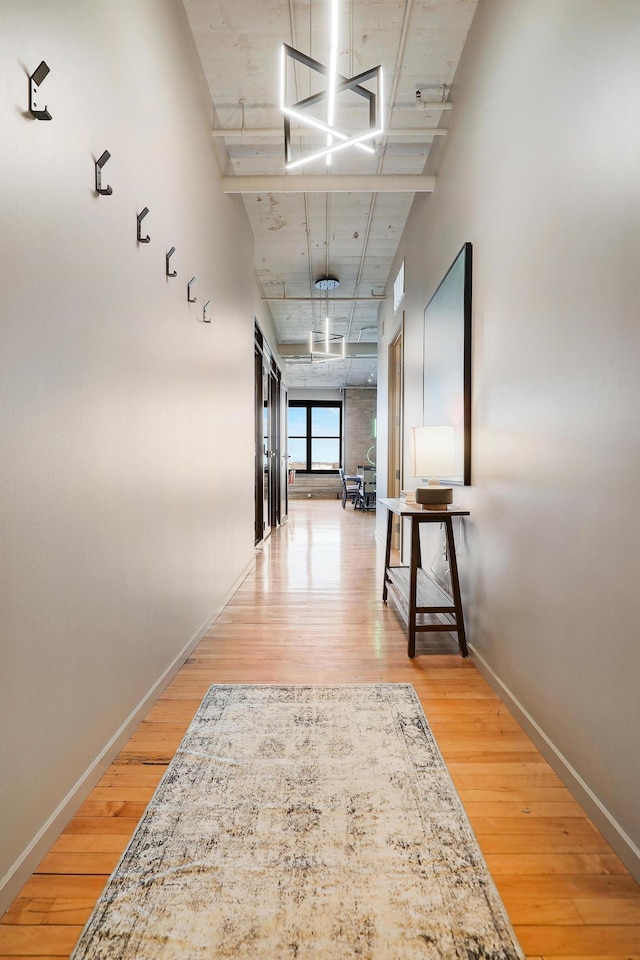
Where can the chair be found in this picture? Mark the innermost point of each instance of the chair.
(350, 491)
(367, 490)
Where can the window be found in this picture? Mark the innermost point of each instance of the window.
(398, 288)
(315, 435)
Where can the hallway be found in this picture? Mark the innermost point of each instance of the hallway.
(310, 612)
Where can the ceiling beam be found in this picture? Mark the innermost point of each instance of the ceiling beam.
(244, 133)
(327, 183)
(364, 350)
(319, 299)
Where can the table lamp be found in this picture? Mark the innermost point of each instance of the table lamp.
(434, 456)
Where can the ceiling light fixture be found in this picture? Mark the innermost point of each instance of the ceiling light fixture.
(327, 345)
(336, 84)
(309, 119)
(333, 70)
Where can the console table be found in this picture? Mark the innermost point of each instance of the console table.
(417, 594)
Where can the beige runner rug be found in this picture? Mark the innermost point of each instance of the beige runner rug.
(303, 822)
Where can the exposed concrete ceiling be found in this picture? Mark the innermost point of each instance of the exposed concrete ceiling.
(352, 234)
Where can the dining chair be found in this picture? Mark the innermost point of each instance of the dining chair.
(350, 491)
(367, 492)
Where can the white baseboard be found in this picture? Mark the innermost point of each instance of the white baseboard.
(21, 870)
(606, 823)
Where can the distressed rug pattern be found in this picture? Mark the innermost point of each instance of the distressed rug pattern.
(303, 822)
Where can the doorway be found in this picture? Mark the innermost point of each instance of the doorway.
(271, 500)
(396, 418)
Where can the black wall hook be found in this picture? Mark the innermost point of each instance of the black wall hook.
(169, 254)
(35, 80)
(100, 162)
(205, 318)
(140, 218)
(190, 299)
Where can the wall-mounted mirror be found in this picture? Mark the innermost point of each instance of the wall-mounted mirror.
(447, 359)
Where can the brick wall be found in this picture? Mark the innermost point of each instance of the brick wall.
(322, 486)
(359, 416)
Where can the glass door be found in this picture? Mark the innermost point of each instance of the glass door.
(266, 448)
(273, 446)
(269, 469)
(284, 455)
(258, 446)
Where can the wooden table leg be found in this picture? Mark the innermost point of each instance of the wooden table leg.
(455, 588)
(413, 581)
(387, 555)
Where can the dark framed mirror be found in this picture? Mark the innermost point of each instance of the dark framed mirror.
(447, 360)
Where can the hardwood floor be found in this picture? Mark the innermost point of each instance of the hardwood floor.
(311, 612)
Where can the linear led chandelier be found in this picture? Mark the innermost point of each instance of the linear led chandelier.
(327, 345)
(335, 85)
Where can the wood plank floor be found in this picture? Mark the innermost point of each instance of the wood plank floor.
(311, 613)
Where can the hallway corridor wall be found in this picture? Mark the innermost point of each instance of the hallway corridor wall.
(540, 171)
(126, 423)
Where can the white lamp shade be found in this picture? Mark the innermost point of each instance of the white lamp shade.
(433, 451)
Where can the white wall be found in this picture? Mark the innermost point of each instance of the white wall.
(126, 424)
(541, 172)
